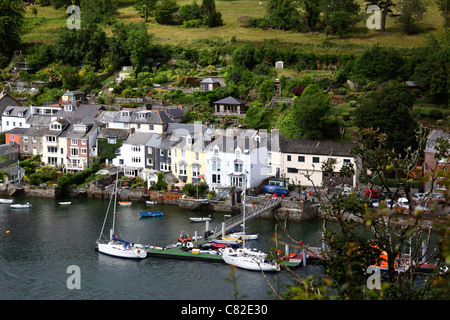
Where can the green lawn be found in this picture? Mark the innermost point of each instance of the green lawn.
(41, 29)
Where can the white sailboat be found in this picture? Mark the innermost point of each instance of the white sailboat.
(118, 247)
(246, 258)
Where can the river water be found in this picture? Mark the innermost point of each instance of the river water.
(44, 240)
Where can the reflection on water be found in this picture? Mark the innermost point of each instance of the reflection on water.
(46, 239)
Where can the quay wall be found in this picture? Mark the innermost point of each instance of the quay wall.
(290, 210)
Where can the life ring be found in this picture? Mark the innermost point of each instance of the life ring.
(138, 251)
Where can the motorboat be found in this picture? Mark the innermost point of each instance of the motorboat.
(241, 235)
(6, 200)
(151, 214)
(115, 246)
(201, 219)
(65, 203)
(184, 237)
(125, 203)
(248, 259)
(150, 203)
(222, 243)
(21, 205)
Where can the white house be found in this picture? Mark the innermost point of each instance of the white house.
(302, 158)
(15, 117)
(132, 154)
(54, 150)
(231, 155)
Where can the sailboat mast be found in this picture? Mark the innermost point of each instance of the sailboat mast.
(115, 204)
(243, 224)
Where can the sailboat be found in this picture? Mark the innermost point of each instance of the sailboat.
(118, 247)
(246, 258)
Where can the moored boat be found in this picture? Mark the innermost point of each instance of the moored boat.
(125, 203)
(151, 214)
(21, 205)
(117, 247)
(150, 203)
(248, 259)
(201, 219)
(65, 203)
(6, 200)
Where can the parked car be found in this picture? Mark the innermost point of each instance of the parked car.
(372, 193)
(276, 189)
(417, 196)
(402, 202)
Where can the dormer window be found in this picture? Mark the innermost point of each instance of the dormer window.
(188, 140)
(125, 113)
(55, 126)
(68, 107)
(142, 115)
(79, 127)
(20, 114)
(6, 112)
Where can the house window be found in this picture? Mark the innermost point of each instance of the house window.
(149, 150)
(161, 153)
(52, 149)
(83, 141)
(50, 139)
(288, 158)
(238, 167)
(149, 161)
(136, 148)
(315, 160)
(238, 154)
(216, 152)
(12, 137)
(55, 127)
(112, 140)
(183, 170)
(136, 159)
(215, 178)
(74, 142)
(216, 166)
(301, 158)
(150, 127)
(83, 150)
(292, 170)
(34, 139)
(120, 161)
(183, 153)
(74, 151)
(25, 138)
(346, 162)
(197, 156)
(25, 148)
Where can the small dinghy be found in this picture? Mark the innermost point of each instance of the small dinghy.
(65, 203)
(21, 206)
(151, 214)
(150, 203)
(201, 219)
(125, 203)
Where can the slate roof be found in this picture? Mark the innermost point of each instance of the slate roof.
(112, 132)
(319, 147)
(150, 116)
(230, 100)
(431, 140)
(139, 138)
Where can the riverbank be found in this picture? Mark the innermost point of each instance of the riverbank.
(288, 210)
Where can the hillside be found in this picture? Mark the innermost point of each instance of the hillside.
(41, 28)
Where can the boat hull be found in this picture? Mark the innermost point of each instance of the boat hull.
(245, 259)
(151, 214)
(125, 203)
(119, 250)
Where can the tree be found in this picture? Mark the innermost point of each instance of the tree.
(388, 110)
(311, 14)
(165, 12)
(411, 12)
(98, 11)
(213, 18)
(338, 15)
(444, 8)
(378, 64)
(130, 44)
(11, 22)
(386, 9)
(145, 8)
(283, 14)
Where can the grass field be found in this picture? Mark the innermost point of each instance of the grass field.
(41, 28)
